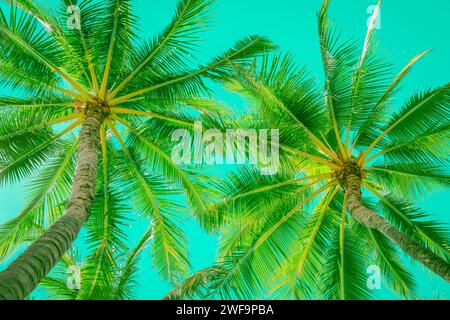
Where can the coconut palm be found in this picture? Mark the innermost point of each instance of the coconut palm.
(342, 204)
(88, 87)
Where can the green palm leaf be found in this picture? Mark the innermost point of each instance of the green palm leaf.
(49, 189)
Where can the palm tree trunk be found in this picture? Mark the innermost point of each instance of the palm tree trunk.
(20, 278)
(370, 219)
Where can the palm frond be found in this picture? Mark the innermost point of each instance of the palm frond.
(421, 112)
(378, 112)
(120, 23)
(344, 274)
(128, 271)
(106, 238)
(49, 189)
(156, 148)
(197, 285)
(410, 179)
(298, 275)
(172, 46)
(27, 42)
(150, 197)
(189, 84)
(412, 221)
(394, 272)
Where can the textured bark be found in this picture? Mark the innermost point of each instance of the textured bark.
(20, 278)
(368, 218)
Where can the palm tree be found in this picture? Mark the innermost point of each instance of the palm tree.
(308, 232)
(122, 96)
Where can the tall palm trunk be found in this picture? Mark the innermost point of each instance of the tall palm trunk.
(368, 218)
(19, 279)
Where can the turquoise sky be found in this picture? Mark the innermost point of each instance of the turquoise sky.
(407, 28)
